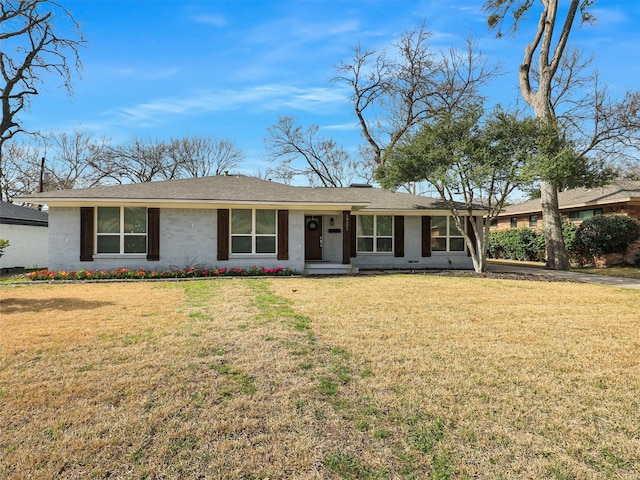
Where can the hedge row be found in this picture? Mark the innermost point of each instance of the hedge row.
(595, 236)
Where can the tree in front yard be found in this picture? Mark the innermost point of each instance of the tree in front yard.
(554, 82)
(470, 160)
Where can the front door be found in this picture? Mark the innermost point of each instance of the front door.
(312, 238)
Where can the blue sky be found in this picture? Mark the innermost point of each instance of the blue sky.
(229, 68)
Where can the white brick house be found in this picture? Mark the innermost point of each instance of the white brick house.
(239, 221)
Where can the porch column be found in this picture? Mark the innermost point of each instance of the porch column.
(346, 237)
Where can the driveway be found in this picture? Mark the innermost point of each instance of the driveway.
(571, 276)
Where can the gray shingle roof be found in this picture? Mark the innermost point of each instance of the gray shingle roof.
(620, 191)
(241, 189)
(17, 215)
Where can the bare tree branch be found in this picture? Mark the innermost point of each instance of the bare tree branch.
(391, 97)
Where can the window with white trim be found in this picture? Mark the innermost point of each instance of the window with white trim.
(121, 230)
(445, 236)
(374, 233)
(253, 231)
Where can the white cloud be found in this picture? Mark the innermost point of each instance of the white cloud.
(259, 98)
(342, 127)
(208, 19)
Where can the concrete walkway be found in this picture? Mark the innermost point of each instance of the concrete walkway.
(570, 276)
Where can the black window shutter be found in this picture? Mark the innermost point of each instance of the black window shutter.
(346, 237)
(86, 234)
(223, 234)
(283, 234)
(398, 235)
(426, 236)
(153, 234)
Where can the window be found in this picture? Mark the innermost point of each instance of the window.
(533, 220)
(253, 231)
(121, 230)
(375, 233)
(514, 222)
(445, 236)
(584, 214)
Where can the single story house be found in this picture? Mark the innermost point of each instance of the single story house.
(27, 233)
(578, 204)
(239, 221)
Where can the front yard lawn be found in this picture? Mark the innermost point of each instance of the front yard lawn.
(396, 376)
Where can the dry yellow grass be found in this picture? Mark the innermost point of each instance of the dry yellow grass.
(368, 377)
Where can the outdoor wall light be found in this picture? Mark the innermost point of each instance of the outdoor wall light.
(331, 222)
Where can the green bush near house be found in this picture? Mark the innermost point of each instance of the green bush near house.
(522, 244)
(605, 234)
(526, 244)
(3, 244)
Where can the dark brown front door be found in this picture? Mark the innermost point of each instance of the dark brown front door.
(312, 238)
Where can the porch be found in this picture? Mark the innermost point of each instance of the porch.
(329, 268)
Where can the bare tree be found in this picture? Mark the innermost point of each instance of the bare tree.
(31, 48)
(53, 161)
(547, 78)
(204, 156)
(393, 92)
(20, 164)
(70, 160)
(323, 162)
(138, 161)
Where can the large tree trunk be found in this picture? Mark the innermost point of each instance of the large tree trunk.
(557, 256)
(540, 100)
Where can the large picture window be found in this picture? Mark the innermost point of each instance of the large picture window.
(374, 233)
(253, 231)
(121, 230)
(445, 236)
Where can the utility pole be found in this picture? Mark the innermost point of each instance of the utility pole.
(41, 176)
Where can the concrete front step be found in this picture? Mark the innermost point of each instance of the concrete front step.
(329, 269)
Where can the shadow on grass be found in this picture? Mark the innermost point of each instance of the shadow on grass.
(24, 305)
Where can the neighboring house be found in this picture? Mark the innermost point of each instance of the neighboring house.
(26, 230)
(239, 221)
(621, 197)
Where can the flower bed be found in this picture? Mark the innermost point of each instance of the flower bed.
(126, 274)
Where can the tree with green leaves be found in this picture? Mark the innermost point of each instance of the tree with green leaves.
(553, 82)
(475, 162)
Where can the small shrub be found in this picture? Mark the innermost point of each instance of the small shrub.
(569, 234)
(3, 244)
(605, 234)
(516, 244)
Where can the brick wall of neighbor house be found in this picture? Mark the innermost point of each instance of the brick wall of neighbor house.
(521, 220)
(188, 237)
(413, 253)
(633, 252)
